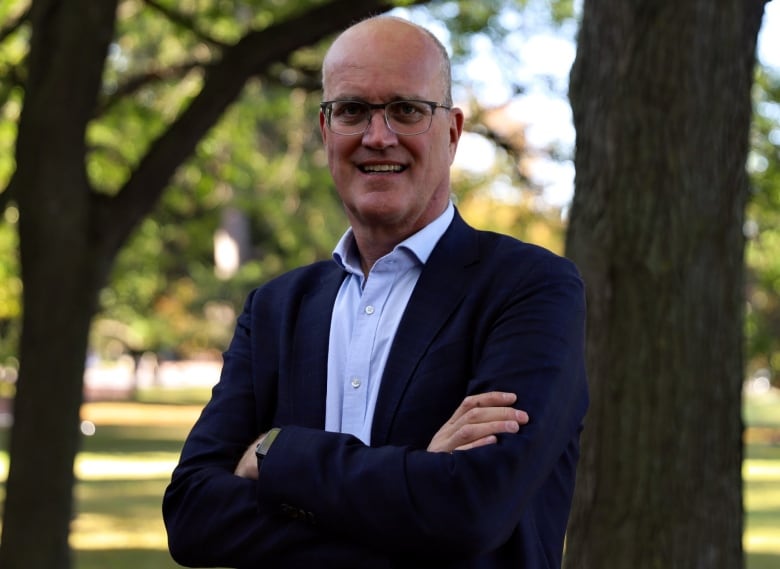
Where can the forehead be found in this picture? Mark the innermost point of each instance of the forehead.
(383, 59)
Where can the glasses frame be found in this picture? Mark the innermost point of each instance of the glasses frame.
(327, 109)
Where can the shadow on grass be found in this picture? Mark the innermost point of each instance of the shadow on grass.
(126, 499)
(763, 561)
(115, 439)
(123, 559)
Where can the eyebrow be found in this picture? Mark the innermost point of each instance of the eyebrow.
(359, 99)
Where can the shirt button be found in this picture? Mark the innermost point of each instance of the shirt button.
(355, 382)
(369, 310)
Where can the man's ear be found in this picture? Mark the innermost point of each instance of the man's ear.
(323, 127)
(456, 129)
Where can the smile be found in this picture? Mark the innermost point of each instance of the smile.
(382, 168)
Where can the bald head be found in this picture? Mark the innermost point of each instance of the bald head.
(397, 38)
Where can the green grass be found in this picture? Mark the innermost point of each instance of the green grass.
(761, 473)
(122, 472)
(125, 466)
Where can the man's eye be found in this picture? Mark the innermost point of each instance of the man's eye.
(408, 108)
(407, 111)
(347, 110)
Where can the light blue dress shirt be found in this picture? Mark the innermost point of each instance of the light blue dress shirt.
(365, 318)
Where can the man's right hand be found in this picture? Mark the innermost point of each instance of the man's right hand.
(477, 421)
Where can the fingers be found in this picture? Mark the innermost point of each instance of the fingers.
(484, 441)
(490, 399)
(477, 421)
(247, 466)
(490, 415)
(487, 408)
(476, 425)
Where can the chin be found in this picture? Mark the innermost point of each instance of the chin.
(383, 213)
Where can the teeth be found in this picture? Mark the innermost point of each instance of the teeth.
(383, 168)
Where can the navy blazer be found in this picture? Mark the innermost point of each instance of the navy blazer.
(488, 313)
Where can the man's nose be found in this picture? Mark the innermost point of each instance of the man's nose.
(378, 133)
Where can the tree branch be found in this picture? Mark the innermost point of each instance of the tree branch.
(253, 54)
(14, 24)
(11, 76)
(185, 22)
(7, 195)
(138, 82)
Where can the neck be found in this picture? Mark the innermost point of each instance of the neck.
(374, 241)
(372, 245)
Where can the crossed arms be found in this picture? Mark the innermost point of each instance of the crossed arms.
(475, 423)
(325, 497)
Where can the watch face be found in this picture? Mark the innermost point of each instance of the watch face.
(266, 442)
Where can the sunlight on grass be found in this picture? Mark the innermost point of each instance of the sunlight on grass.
(761, 541)
(125, 466)
(121, 477)
(127, 522)
(761, 474)
(97, 467)
(130, 413)
(108, 531)
(102, 467)
(762, 504)
(760, 470)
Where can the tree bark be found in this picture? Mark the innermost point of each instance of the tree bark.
(59, 275)
(660, 92)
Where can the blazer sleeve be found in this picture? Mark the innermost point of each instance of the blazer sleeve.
(327, 500)
(212, 516)
(404, 499)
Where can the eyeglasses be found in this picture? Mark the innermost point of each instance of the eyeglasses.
(406, 118)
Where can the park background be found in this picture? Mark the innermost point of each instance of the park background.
(255, 200)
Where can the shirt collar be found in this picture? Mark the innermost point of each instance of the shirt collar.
(420, 244)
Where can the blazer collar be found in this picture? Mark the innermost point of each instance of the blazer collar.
(439, 291)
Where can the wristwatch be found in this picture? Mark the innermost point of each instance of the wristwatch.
(262, 447)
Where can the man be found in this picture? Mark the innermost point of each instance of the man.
(365, 413)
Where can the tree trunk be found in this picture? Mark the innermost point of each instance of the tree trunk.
(61, 274)
(660, 92)
(45, 436)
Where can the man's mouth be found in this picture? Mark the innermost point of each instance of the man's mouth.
(382, 168)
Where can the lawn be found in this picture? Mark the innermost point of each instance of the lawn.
(761, 472)
(122, 472)
(126, 463)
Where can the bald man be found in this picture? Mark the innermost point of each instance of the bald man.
(415, 402)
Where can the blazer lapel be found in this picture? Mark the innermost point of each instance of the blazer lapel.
(310, 351)
(438, 292)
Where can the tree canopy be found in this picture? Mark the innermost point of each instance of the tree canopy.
(262, 158)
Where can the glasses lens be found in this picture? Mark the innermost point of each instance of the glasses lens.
(409, 117)
(403, 117)
(349, 117)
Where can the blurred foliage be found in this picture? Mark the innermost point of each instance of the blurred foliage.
(265, 161)
(12, 51)
(763, 231)
(10, 284)
(262, 167)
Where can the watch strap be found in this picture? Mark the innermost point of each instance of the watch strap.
(266, 442)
